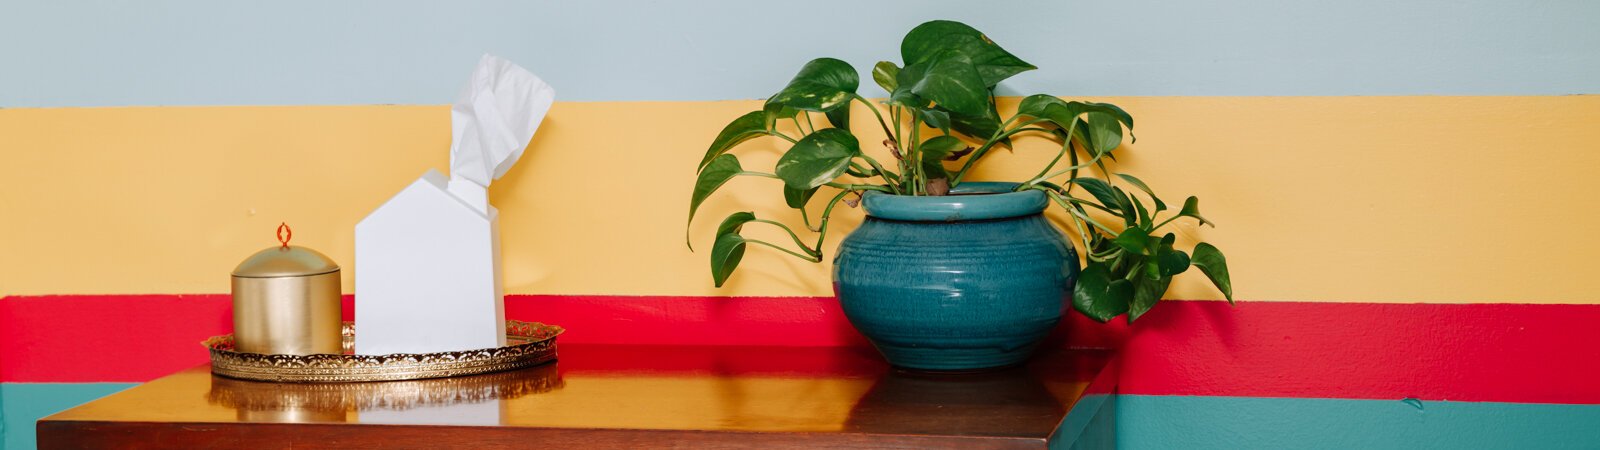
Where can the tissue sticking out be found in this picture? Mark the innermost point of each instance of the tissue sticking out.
(491, 124)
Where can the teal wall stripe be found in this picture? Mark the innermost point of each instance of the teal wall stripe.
(1157, 422)
(24, 403)
(1162, 422)
(291, 52)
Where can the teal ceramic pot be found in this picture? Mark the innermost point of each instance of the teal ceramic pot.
(969, 281)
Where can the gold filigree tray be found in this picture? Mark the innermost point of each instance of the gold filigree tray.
(527, 344)
(256, 396)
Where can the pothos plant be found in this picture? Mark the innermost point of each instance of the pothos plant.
(940, 119)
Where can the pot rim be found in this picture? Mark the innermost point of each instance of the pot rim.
(997, 202)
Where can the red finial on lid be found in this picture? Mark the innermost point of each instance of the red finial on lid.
(284, 234)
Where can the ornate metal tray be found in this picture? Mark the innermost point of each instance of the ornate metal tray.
(255, 396)
(527, 344)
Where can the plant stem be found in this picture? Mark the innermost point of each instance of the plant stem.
(912, 152)
(812, 258)
(806, 218)
(757, 174)
(894, 114)
(859, 187)
(1165, 222)
(875, 113)
(1083, 234)
(1072, 158)
(1075, 201)
(1074, 211)
(1074, 168)
(978, 154)
(797, 126)
(792, 235)
(827, 215)
(784, 136)
(845, 186)
(807, 115)
(888, 177)
(892, 179)
(1066, 147)
(1134, 272)
(1106, 255)
(1091, 221)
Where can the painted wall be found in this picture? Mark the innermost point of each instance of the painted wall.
(1400, 188)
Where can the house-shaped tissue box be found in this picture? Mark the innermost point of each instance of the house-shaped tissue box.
(428, 259)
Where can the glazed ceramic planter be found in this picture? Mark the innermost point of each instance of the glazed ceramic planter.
(968, 281)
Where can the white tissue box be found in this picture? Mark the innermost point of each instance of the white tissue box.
(428, 260)
(428, 274)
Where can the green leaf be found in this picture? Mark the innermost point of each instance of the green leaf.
(1062, 113)
(735, 222)
(746, 127)
(797, 198)
(1114, 111)
(934, 169)
(923, 108)
(1191, 208)
(1117, 112)
(1098, 296)
(721, 169)
(1136, 182)
(950, 81)
(981, 126)
(940, 147)
(1105, 133)
(1101, 123)
(1034, 105)
(1101, 191)
(1211, 262)
(1171, 261)
(928, 40)
(725, 256)
(1144, 214)
(884, 74)
(775, 112)
(904, 97)
(839, 117)
(1134, 240)
(1146, 292)
(1130, 212)
(818, 158)
(822, 85)
(934, 118)
(936, 150)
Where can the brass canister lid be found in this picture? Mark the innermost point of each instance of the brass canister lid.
(285, 261)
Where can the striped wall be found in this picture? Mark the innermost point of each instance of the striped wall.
(1402, 189)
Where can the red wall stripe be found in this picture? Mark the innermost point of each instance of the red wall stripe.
(1461, 352)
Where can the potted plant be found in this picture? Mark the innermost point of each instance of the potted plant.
(946, 273)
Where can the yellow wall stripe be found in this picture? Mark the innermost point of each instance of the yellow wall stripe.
(1373, 199)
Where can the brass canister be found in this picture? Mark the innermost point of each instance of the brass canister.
(286, 302)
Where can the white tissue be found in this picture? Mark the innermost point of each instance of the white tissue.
(491, 123)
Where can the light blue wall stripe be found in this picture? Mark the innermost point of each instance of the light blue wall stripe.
(1163, 422)
(207, 52)
(25, 403)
